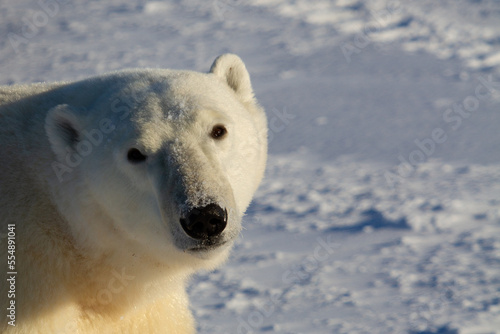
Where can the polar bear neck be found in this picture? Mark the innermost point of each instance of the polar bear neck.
(91, 290)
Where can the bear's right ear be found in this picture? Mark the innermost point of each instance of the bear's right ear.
(231, 69)
(61, 127)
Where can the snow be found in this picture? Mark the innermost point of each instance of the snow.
(380, 210)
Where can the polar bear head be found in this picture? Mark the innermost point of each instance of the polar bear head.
(159, 162)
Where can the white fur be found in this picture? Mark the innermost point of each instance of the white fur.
(99, 245)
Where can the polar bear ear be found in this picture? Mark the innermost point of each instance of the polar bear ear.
(230, 68)
(61, 127)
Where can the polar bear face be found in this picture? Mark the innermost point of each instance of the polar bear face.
(161, 161)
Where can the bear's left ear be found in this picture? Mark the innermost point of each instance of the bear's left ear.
(62, 129)
(230, 68)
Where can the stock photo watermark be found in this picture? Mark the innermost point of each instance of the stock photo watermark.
(11, 274)
(32, 25)
(96, 136)
(296, 274)
(380, 19)
(221, 7)
(454, 116)
(115, 286)
(278, 122)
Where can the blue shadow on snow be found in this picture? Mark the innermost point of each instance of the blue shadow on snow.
(374, 219)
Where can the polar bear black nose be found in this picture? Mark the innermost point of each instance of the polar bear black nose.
(205, 222)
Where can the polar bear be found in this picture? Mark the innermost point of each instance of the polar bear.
(115, 189)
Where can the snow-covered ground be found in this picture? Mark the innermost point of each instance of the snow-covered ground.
(380, 211)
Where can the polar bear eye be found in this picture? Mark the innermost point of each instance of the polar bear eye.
(135, 156)
(218, 132)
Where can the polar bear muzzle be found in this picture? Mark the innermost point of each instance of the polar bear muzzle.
(205, 223)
